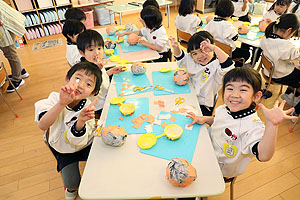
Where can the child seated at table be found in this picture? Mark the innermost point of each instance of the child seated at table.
(283, 53)
(186, 21)
(71, 30)
(90, 45)
(154, 32)
(224, 31)
(278, 8)
(206, 64)
(66, 117)
(294, 8)
(151, 3)
(76, 14)
(236, 132)
(241, 10)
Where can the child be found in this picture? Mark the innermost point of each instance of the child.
(90, 45)
(282, 53)
(277, 9)
(151, 3)
(66, 117)
(294, 9)
(71, 30)
(186, 21)
(237, 133)
(241, 10)
(154, 32)
(224, 31)
(206, 64)
(76, 14)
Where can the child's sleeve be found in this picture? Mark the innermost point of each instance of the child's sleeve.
(181, 59)
(73, 56)
(231, 33)
(42, 106)
(162, 39)
(288, 52)
(223, 68)
(144, 31)
(82, 137)
(253, 136)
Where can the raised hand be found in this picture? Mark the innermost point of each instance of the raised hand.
(174, 42)
(87, 113)
(67, 94)
(206, 46)
(276, 114)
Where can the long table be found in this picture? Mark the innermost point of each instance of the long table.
(125, 173)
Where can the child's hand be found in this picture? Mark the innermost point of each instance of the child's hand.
(276, 115)
(142, 42)
(86, 114)
(196, 119)
(114, 70)
(120, 34)
(206, 46)
(174, 42)
(67, 94)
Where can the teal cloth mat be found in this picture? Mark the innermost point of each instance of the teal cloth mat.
(138, 80)
(165, 79)
(182, 148)
(253, 34)
(114, 114)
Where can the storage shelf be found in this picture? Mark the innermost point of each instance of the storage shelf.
(92, 4)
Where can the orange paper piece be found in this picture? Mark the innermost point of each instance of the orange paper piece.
(144, 116)
(150, 119)
(155, 102)
(193, 106)
(134, 120)
(122, 89)
(172, 118)
(121, 118)
(128, 85)
(121, 93)
(182, 110)
(164, 124)
(123, 84)
(174, 111)
(161, 103)
(139, 120)
(137, 125)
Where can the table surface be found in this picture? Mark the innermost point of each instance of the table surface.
(144, 55)
(122, 8)
(125, 173)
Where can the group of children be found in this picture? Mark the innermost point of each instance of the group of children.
(237, 133)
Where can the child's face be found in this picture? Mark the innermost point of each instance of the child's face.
(84, 84)
(239, 95)
(94, 54)
(200, 57)
(280, 9)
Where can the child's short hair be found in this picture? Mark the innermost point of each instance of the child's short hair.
(283, 22)
(72, 27)
(151, 3)
(224, 8)
(75, 13)
(186, 7)
(85, 39)
(197, 38)
(151, 16)
(280, 3)
(246, 74)
(90, 69)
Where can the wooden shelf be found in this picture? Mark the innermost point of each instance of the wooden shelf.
(92, 4)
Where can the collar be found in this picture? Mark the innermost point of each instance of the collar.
(218, 19)
(156, 28)
(242, 113)
(71, 43)
(274, 36)
(78, 107)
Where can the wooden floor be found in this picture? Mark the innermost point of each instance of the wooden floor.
(28, 169)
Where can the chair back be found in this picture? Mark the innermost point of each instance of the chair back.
(226, 48)
(183, 37)
(268, 65)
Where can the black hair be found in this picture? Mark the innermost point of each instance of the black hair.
(197, 38)
(151, 3)
(283, 23)
(240, 74)
(86, 38)
(72, 27)
(280, 3)
(224, 8)
(75, 13)
(296, 6)
(90, 69)
(151, 16)
(186, 7)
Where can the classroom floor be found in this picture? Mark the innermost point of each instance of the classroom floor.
(28, 169)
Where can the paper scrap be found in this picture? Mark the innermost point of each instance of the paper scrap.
(167, 116)
(164, 124)
(150, 119)
(158, 122)
(188, 128)
(172, 118)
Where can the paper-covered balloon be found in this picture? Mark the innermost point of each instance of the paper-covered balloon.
(181, 77)
(208, 18)
(138, 68)
(110, 30)
(129, 27)
(243, 29)
(263, 24)
(132, 39)
(109, 44)
(114, 135)
(180, 172)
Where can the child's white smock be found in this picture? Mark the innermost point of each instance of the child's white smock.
(188, 23)
(73, 56)
(238, 8)
(248, 129)
(270, 15)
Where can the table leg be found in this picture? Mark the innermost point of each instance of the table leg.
(120, 19)
(168, 15)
